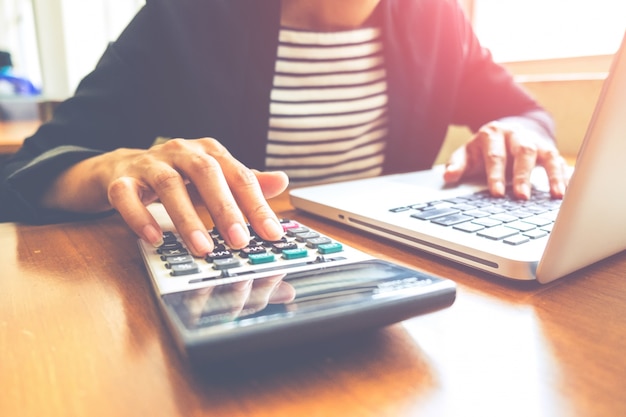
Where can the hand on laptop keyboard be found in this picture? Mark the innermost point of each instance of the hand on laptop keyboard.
(500, 148)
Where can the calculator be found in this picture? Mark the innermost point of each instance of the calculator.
(276, 294)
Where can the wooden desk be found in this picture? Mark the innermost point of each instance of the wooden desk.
(80, 335)
(13, 133)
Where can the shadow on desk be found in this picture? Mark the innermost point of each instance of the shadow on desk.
(348, 350)
(369, 365)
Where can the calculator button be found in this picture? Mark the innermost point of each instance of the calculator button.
(170, 246)
(226, 263)
(289, 225)
(250, 250)
(185, 269)
(281, 246)
(173, 252)
(271, 243)
(330, 248)
(218, 254)
(169, 237)
(294, 231)
(303, 237)
(261, 258)
(295, 253)
(315, 242)
(175, 260)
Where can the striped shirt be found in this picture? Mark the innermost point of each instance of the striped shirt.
(328, 108)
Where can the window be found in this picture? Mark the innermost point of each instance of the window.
(55, 43)
(17, 36)
(533, 30)
(88, 26)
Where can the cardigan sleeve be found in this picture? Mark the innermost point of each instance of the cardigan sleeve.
(111, 108)
(181, 68)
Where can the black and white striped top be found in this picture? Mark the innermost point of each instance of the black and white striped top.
(328, 110)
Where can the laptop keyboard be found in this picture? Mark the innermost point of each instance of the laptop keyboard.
(505, 219)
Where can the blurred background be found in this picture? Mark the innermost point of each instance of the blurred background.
(559, 49)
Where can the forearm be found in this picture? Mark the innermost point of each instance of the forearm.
(82, 188)
(539, 121)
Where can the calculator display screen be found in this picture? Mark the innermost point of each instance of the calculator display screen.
(277, 297)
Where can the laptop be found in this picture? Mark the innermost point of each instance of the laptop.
(541, 240)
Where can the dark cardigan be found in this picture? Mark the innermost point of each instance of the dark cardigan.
(198, 68)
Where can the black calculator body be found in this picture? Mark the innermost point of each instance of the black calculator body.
(270, 297)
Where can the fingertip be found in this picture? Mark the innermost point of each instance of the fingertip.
(152, 235)
(497, 188)
(238, 236)
(282, 175)
(272, 229)
(272, 183)
(200, 243)
(558, 190)
(523, 191)
(452, 173)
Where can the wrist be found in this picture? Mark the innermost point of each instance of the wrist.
(80, 188)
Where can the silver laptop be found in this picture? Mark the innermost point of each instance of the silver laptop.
(539, 240)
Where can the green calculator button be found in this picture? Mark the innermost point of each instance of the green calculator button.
(330, 248)
(295, 253)
(261, 258)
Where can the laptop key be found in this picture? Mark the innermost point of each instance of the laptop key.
(452, 219)
(477, 213)
(538, 221)
(488, 222)
(521, 226)
(497, 232)
(536, 234)
(468, 227)
(521, 213)
(433, 214)
(399, 209)
(516, 240)
(504, 217)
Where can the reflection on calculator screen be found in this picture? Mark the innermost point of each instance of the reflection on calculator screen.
(280, 296)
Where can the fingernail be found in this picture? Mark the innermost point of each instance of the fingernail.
(200, 242)
(524, 189)
(272, 228)
(238, 237)
(559, 190)
(152, 235)
(498, 188)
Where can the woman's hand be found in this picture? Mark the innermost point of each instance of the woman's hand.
(503, 152)
(129, 179)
